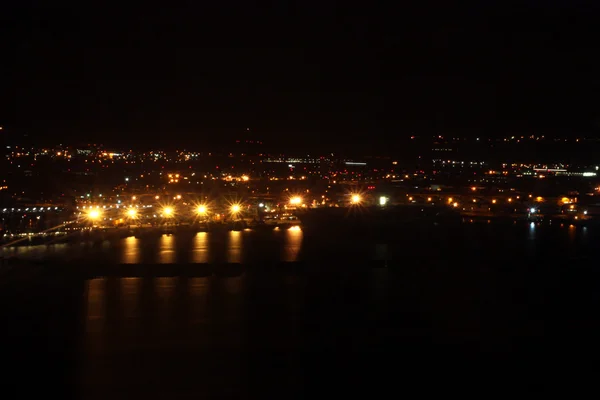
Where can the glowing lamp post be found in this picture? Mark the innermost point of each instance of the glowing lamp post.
(356, 199)
(94, 215)
(235, 210)
(201, 210)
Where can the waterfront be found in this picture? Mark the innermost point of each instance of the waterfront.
(512, 296)
(406, 243)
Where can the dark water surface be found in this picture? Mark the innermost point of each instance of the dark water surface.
(453, 303)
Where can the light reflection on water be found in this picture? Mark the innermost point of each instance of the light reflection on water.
(200, 251)
(166, 249)
(198, 292)
(130, 297)
(291, 245)
(165, 289)
(35, 251)
(234, 247)
(131, 250)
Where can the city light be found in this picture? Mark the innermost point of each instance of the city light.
(94, 215)
(539, 198)
(532, 210)
(168, 211)
(245, 178)
(296, 200)
(509, 200)
(201, 209)
(356, 199)
(455, 204)
(383, 201)
(450, 200)
(494, 201)
(235, 208)
(132, 213)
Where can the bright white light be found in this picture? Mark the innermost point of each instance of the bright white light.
(296, 200)
(261, 205)
(132, 213)
(168, 211)
(532, 210)
(355, 199)
(383, 200)
(585, 212)
(235, 208)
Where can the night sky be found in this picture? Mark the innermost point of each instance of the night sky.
(306, 74)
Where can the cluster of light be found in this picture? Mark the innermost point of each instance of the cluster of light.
(296, 200)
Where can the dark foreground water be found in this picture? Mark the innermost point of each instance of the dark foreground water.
(453, 308)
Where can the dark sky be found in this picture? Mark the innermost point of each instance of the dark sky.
(308, 73)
